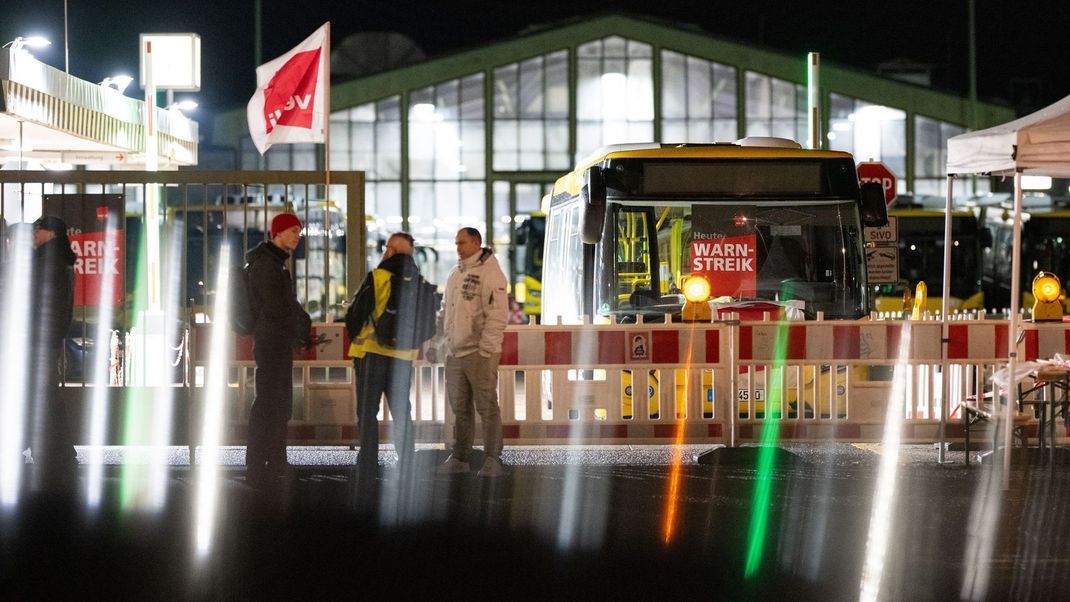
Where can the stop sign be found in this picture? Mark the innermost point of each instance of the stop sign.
(875, 171)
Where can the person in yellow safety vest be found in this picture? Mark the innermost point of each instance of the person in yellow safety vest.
(379, 368)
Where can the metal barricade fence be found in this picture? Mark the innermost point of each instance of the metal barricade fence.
(694, 383)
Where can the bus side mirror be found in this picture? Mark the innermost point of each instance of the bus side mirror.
(874, 209)
(593, 194)
(986, 237)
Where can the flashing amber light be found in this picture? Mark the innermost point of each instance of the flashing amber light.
(1046, 287)
(697, 289)
(696, 292)
(921, 298)
(1046, 293)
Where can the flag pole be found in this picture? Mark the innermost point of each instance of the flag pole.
(328, 315)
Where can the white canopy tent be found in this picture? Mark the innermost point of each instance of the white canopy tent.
(1038, 144)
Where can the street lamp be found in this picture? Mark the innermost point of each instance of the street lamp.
(28, 42)
(119, 82)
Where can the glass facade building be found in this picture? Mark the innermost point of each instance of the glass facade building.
(476, 139)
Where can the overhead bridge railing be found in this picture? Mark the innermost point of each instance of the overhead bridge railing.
(726, 382)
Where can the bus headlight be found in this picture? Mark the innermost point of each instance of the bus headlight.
(696, 293)
(1046, 292)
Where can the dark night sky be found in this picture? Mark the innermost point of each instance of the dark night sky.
(1021, 57)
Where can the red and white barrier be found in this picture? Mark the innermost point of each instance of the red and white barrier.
(335, 345)
(613, 345)
(827, 392)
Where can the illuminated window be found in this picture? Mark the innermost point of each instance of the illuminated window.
(775, 107)
(698, 100)
(614, 95)
(447, 189)
(531, 106)
(869, 131)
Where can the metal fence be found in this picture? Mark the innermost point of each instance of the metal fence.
(200, 210)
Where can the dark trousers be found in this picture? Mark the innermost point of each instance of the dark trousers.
(377, 375)
(50, 432)
(272, 407)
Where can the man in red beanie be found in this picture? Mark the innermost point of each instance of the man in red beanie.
(281, 324)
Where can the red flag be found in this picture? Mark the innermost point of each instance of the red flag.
(288, 105)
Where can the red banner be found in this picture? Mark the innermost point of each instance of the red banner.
(728, 263)
(95, 225)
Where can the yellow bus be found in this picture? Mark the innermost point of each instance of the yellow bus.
(760, 220)
(773, 223)
(527, 283)
(920, 224)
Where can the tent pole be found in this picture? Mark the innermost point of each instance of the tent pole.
(945, 381)
(1012, 335)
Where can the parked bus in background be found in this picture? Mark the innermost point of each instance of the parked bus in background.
(762, 220)
(1045, 245)
(772, 223)
(920, 238)
(527, 263)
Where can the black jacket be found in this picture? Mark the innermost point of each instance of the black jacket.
(363, 306)
(52, 292)
(273, 298)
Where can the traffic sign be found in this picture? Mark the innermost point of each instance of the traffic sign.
(882, 265)
(875, 171)
(886, 234)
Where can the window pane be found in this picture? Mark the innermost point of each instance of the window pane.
(506, 91)
(614, 94)
(724, 92)
(531, 99)
(674, 91)
(540, 92)
(698, 89)
(557, 85)
(472, 97)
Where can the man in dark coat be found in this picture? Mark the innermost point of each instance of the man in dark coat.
(51, 434)
(281, 325)
(380, 368)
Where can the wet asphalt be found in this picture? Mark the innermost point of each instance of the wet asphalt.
(572, 523)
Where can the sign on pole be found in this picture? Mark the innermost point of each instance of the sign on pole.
(875, 171)
(883, 235)
(175, 61)
(882, 265)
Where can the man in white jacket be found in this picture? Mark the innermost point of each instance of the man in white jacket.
(472, 321)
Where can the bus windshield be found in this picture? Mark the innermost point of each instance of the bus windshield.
(800, 250)
(921, 255)
(1046, 246)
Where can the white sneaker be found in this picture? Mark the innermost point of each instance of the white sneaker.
(492, 469)
(453, 466)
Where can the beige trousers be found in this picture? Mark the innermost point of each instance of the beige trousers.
(472, 386)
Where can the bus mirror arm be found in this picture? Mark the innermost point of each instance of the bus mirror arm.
(593, 195)
(873, 208)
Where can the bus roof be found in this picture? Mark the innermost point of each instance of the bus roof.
(573, 181)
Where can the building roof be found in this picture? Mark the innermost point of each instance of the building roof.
(69, 120)
(865, 86)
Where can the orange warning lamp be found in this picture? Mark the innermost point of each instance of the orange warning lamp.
(908, 300)
(921, 298)
(1046, 292)
(696, 294)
